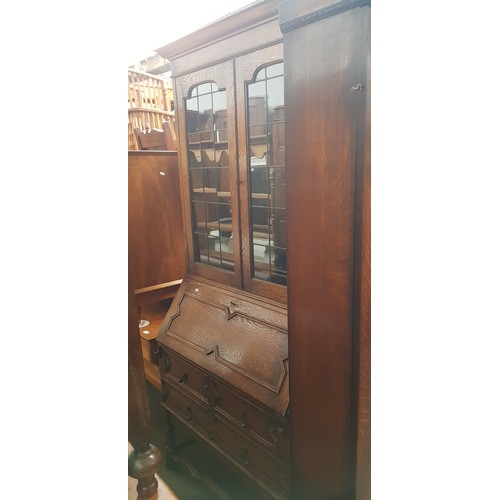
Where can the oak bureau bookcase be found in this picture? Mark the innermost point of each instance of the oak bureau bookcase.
(223, 346)
(265, 351)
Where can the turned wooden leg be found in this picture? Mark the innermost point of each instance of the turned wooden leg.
(142, 465)
(144, 460)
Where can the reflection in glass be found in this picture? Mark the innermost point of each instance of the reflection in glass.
(275, 97)
(266, 165)
(199, 216)
(261, 75)
(259, 184)
(219, 101)
(206, 128)
(201, 247)
(205, 88)
(274, 70)
(257, 104)
(214, 254)
(279, 266)
(262, 262)
(277, 187)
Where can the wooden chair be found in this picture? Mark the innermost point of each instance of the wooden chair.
(162, 140)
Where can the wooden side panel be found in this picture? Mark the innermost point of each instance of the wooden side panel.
(322, 66)
(363, 451)
(156, 233)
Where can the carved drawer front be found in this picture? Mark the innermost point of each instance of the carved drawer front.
(259, 425)
(257, 462)
(183, 373)
(188, 410)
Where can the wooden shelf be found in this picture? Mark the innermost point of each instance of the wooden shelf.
(261, 196)
(213, 225)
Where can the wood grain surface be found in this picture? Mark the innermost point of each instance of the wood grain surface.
(324, 60)
(155, 229)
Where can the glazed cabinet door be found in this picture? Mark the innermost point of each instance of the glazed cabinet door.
(261, 162)
(209, 175)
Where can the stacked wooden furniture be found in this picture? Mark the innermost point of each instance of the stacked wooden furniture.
(223, 347)
(156, 139)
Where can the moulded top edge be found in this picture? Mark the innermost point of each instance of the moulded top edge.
(293, 13)
(234, 22)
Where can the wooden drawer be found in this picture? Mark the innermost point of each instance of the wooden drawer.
(181, 372)
(241, 450)
(188, 410)
(253, 459)
(249, 419)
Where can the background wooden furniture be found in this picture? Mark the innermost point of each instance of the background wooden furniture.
(156, 232)
(223, 347)
(156, 241)
(156, 139)
(326, 53)
(144, 459)
(149, 105)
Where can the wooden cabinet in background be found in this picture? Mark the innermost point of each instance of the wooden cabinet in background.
(156, 242)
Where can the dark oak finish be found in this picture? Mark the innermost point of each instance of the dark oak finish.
(232, 75)
(363, 458)
(217, 355)
(156, 232)
(223, 346)
(327, 170)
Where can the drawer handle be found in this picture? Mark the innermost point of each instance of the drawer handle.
(244, 456)
(183, 378)
(243, 422)
(214, 399)
(163, 361)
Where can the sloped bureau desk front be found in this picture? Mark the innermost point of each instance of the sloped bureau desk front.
(223, 357)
